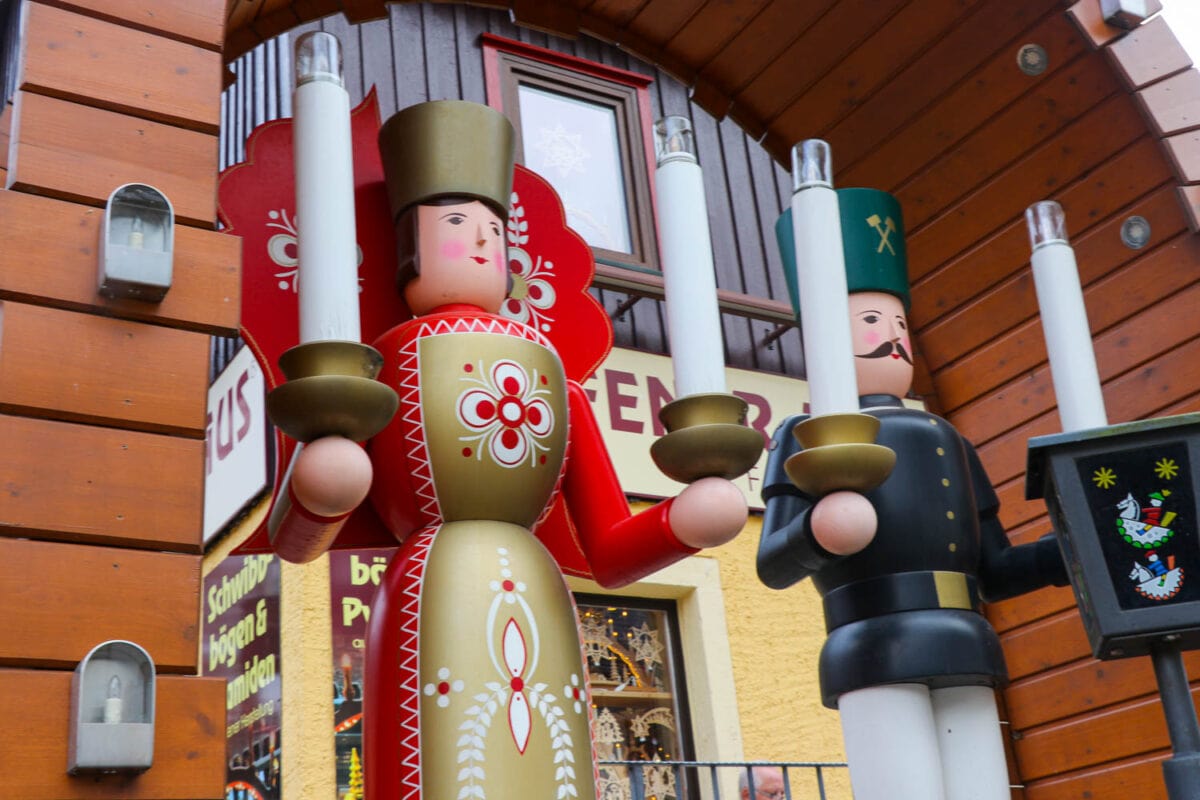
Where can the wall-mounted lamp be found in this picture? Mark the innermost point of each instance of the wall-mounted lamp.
(137, 244)
(1128, 14)
(112, 710)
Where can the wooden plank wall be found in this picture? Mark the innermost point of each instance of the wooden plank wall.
(102, 401)
(431, 52)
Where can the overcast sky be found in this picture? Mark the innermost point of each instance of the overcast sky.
(1184, 19)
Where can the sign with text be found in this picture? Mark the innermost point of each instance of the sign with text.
(353, 578)
(235, 456)
(240, 631)
(631, 386)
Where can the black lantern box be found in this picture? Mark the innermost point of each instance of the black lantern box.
(1123, 503)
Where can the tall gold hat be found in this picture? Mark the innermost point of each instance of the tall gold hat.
(447, 148)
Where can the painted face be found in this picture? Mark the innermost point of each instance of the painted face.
(882, 349)
(462, 257)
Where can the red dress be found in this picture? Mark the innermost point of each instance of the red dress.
(475, 675)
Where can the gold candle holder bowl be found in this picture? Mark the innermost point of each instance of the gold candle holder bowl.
(331, 391)
(839, 454)
(706, 437)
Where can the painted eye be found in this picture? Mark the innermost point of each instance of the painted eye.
(495, 229)
(456, 219)
(870, 319)
(901, 324)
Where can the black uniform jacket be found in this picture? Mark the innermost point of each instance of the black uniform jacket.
(906, 608)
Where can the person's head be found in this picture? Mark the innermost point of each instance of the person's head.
(768, 784)
(881, 344)
(451, 250)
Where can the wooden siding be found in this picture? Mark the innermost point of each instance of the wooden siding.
(61, 270)
(189, 740)
(71, 598)
(111, 372)
(102, 401)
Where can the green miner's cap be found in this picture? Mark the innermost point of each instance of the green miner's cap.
(872, 242)
(447, 148)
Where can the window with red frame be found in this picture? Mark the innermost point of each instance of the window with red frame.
(584, 127)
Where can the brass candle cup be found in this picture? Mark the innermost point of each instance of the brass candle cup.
(331, 390)
(839, 454)
(706, 437)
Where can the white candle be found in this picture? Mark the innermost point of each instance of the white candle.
(326, 241)
(821, 278)
(693, 318)
(1064, 320)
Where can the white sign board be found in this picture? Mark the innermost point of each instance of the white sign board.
(235, 460)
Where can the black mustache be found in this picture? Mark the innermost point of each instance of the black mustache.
(886, 349)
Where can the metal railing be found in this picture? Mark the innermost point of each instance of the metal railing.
(667, 780)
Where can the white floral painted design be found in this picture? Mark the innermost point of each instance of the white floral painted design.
(507, 409)
(443, 687)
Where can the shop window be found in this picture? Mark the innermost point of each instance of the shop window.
(585, 127)
(639, 704)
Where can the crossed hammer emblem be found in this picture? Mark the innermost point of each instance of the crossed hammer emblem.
(885, 230)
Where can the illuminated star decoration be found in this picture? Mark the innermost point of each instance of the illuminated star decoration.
(645, 645)
(595, 637)
(1166, 468)
(1104, 477)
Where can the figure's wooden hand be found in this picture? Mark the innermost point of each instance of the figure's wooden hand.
(844, 522)
(707, 513)
(331, 476)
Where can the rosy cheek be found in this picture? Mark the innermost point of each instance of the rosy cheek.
(498, 259)
(871, 338)
(453, 250)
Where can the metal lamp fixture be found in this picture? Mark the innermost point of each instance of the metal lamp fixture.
(137, 244)
(1128, 14)
(112, 710)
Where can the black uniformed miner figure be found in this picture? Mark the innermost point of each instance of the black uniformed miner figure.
(910, 662)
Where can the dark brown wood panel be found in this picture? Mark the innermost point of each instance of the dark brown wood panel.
(1140, 776)
(89, 484)
(1139, 280)
(863, 72)
(87, 60)
(948, 298)
(820, 47)
(946, 65)
(61, 600)
(969, 104)
(61, 269)
(189, 741)
(202, 24)
(777, 26)
(86, 368)
(1078, 148)
(1051, 642)
(80, 153)
(1018, 129)
(1084, 686)
(1133, 728)
(1124, 347)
